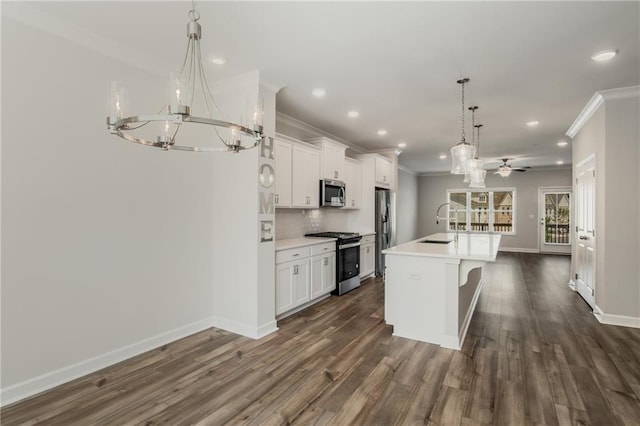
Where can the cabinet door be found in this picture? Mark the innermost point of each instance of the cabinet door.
(301, 282)
(383, 171)
(329, 273)
(316, 276)
(282, 157)
(332, 162)
(312, 175)
(303, 173)
(363, 262)
(368, 258)
(353, 181)
(284, 287)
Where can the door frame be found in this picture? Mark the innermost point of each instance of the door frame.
(562, 249)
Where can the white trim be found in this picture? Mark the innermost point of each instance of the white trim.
(407, 170)
(619, 320)
(594, 103)
(598, 99)
(244, 329)
(518, 250)
(314, 131)
(57, 377)
(620, 93)
(43, 21)
(572, 285)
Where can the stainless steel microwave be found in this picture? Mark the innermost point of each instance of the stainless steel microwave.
(331, 193)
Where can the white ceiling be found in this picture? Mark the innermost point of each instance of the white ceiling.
(397, 63)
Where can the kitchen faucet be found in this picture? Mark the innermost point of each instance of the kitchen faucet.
(438, 218)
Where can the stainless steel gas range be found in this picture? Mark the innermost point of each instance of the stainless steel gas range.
(348, 259)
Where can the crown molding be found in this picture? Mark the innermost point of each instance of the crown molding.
(620, 93)
(407, 170)
(35, 18)
(586, 113)
(598, 99)
(314, 132)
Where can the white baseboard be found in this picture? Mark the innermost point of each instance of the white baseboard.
(266, 329)
(572, 285)
(518, 250)
(620, 320)
(54, 378)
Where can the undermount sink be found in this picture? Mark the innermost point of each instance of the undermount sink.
(436, 241)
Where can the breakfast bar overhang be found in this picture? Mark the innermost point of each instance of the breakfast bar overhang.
(432, 285)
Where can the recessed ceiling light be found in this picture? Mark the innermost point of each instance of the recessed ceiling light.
(382, 132)
(218, 60)
(604, 55)
(559, 162)
(562, 143)
(533, 123)
(443, 156)
(402, 145)
(319, 92)
(353, 114)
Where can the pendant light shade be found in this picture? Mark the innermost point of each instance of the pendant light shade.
(463, 151)
(478, 174)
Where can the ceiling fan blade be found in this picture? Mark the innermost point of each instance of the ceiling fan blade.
(518, 170)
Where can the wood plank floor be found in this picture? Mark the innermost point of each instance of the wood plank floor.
(534, 355)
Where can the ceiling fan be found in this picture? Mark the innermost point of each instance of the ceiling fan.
(505, 169)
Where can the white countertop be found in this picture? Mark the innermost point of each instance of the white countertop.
(301, 242)
(470, 246)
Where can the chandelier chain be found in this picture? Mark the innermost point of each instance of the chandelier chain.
(463, 138)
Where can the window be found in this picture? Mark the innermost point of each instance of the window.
(485, 211)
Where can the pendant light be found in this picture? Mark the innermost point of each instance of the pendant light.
(463, 151)
(478, 174)
(184, 86)
(470, 165)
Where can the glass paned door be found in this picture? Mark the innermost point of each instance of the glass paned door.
(557, 214)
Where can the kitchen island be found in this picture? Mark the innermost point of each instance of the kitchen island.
(432, 285)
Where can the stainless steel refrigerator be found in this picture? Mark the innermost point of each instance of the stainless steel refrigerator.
(385, 225)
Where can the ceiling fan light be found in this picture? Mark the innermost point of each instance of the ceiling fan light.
(504, 172)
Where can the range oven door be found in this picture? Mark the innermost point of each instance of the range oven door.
(348, 261)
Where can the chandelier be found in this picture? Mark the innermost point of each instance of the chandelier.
(463, 151)
(477, 174)
(184, 87)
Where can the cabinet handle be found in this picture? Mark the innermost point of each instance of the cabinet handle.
(353, 203)
(368, 249)
(277, 198)
(335, 174)
(295, 270)
(326, 262)
(294, 255)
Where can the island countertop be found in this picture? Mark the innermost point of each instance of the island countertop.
(483, 247)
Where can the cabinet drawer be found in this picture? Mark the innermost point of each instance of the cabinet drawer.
(323, 248)
(368, 239)
(292, 254)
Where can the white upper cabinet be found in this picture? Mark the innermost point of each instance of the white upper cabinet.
(353, 182)
(305, 188)
(283, 173)
(383, 171)
(332, 161)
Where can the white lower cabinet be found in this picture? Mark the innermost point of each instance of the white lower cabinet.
(323, 275)
(304, 274)
(367, 255)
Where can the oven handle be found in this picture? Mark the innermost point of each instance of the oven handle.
(346, 246)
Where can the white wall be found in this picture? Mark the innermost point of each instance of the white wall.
(612, 134)
(104, 242)
(407, 207)
(111, 248)
(432, 191)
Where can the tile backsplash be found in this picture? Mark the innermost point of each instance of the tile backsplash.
(294, 223)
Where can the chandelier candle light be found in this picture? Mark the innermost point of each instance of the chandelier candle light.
(183, 88)
(478, 174)
(463, 151)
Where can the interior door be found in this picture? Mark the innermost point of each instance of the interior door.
(555, 220)
(585, 232)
